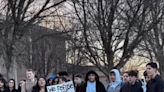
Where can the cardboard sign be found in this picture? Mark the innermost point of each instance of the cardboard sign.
(65, 87)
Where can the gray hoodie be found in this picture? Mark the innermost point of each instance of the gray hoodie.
(115, 86)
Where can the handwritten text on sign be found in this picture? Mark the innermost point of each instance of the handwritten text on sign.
(66, 87)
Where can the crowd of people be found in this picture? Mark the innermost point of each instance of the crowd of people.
(126, 82)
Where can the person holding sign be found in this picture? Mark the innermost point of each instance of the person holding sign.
(63, 87)
(64, 74)
(92, 83)
(61, 80)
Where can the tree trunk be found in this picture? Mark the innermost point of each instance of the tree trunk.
(7, 73)
(161, 66)
(160, 59)
(15, 72)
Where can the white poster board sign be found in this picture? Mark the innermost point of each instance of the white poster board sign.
(65, 87)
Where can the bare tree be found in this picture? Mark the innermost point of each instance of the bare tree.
(18, 16)
(154, 42)
(111, 30)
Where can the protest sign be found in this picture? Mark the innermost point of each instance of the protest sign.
(65, 87)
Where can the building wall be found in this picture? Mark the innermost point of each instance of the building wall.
(57, 42)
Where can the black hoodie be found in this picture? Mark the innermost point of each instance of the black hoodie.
(131, 88)
(99, 86)
(155, 85)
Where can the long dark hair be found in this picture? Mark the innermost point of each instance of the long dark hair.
(8, 88)
(53, 81)
(4, 82)
(91, 72)
(62, 78)
(36, 88)
(98, 83)
(13, 81)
